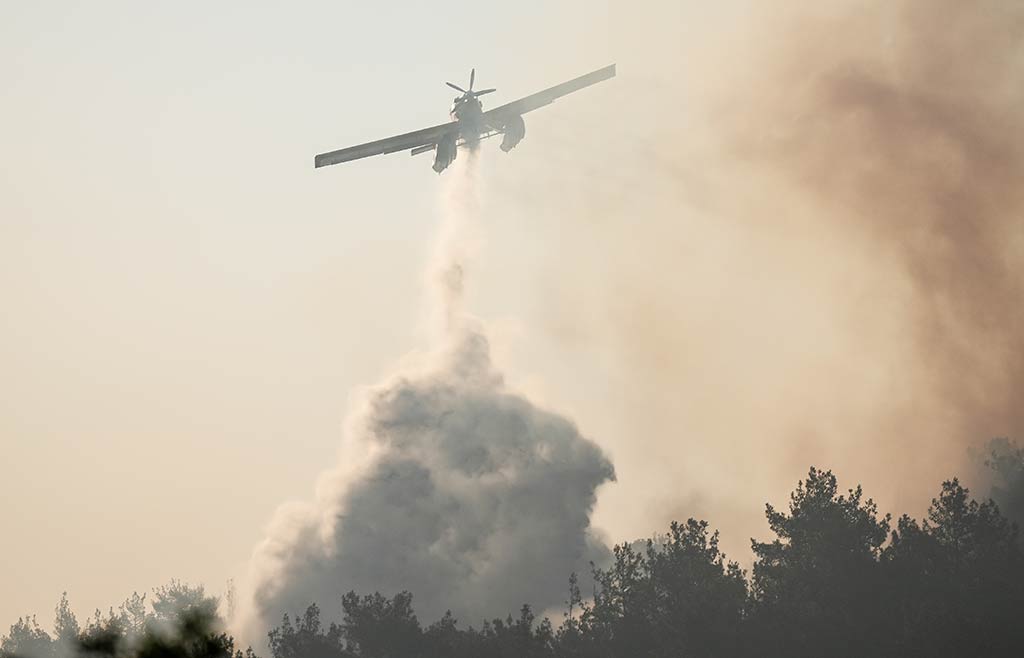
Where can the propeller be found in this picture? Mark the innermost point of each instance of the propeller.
(466, 95)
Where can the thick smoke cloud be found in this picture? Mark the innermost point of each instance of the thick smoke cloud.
(782, 236)
(792, 234)
(908, 126)
(452, 487)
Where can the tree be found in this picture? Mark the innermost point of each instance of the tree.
(828, 584)
(675, 596)
(621, 616)
(698, 596)
(816, 587)
(307, 638)
(516, 637)
(195, 634)
(65, 625)
(569, 637)
(1006, 461)
(178, 601)
(444, 639)
(377, 627)
(959, 579)
(26, 639)
(183, 624)
(120, 628)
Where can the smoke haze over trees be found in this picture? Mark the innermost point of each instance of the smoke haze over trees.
(833, 253)
(803, 223)
(835, 578)
(827, 270)
(179, 621)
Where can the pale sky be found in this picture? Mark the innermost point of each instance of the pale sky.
(188, 305)
(186, 302)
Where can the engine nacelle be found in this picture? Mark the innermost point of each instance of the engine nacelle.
(515, 130)
(446, 151)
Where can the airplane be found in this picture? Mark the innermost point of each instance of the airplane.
(469, 124)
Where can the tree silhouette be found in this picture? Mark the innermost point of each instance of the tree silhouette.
(958, 579)
(1006, 460)
(306, 638)
(835, 580)
(377, 627)
(26, 638)
(182, 623)
(815, 588)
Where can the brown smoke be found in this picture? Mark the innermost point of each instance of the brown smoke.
(795, 239)
(916, 138)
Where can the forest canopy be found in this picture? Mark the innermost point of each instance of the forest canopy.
(836, 578)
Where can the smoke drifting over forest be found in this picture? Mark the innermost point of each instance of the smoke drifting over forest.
(796, 240)
(466, 494)
(919, 146)
(793, 236)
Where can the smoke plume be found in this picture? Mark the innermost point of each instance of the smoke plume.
(916, 145)
(451, 486)
(792, 234)
(782, 236)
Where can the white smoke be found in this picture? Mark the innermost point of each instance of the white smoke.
(450, 486)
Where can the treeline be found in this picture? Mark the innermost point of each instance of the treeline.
(179, 621)
(836, 579)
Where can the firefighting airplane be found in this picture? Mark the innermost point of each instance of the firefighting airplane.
(469, 124)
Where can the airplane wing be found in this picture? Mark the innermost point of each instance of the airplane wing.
(425, 137)
(500, 115)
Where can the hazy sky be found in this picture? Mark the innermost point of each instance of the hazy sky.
(186, 302)
(719, 271)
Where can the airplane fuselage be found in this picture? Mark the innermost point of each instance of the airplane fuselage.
(467, 109)
(470, 115)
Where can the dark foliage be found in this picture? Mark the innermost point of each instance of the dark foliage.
(1006, 461)
(182, 623)
(816, 585)
(835, 580)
